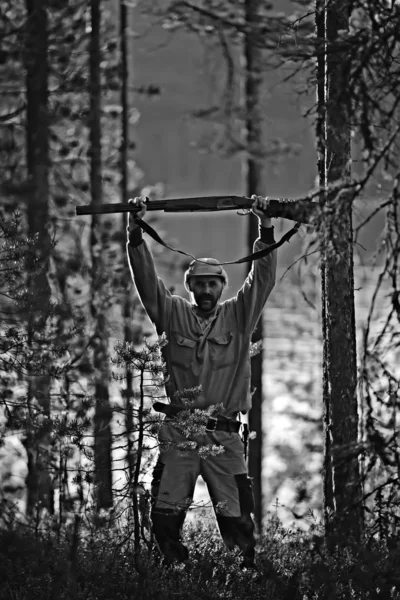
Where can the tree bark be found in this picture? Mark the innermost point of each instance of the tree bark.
(254, 184)
(39, 486)
(103, 413)
(342, 483)
(127, 300)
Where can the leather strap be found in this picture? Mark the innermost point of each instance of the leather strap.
(253, 256)
(223, 425)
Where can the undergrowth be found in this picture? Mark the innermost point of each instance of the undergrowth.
(290, 564)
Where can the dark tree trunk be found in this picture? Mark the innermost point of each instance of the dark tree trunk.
(253, 177)
(342, 484)
(103, 413)
(321, 143)
(127, 300)
(39, 486)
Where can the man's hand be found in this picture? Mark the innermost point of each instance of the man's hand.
(260, 204)
(138, 201)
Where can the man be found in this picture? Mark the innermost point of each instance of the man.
(208, 346)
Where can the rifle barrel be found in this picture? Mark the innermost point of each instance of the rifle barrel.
(296, 210)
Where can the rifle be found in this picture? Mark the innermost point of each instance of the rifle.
(300, 211)
(296, 210)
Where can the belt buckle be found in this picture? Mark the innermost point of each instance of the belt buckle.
(215, 424)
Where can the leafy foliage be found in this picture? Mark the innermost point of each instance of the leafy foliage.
(19, 257)
(290, 565)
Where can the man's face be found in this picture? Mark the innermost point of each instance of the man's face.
(206, 291)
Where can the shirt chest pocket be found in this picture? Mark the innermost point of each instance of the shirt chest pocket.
(222, 350)
(182, 350)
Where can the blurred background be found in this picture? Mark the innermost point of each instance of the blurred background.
(183, 139)
(189, 155)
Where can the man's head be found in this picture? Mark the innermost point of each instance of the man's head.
(206, 281)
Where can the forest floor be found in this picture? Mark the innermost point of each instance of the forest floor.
(290, 565)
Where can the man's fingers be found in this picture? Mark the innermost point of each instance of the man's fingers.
(260, 202)
(138, 202)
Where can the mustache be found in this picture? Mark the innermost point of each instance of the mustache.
(204, 297)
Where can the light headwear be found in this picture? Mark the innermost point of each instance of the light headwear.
(208, 266)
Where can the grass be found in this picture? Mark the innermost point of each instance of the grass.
(290, 565)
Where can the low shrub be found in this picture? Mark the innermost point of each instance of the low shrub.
(291, 565)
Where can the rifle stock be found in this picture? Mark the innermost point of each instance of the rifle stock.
(286, 208)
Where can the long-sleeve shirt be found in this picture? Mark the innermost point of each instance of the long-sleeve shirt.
(213, 355)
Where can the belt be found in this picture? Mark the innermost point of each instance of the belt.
(222, 425)
(172, 410)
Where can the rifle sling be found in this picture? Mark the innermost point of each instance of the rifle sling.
(253, 256)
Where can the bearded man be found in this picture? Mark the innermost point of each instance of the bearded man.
(208, 346)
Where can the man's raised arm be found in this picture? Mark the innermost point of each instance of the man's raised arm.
(153, 294)
(252, 296)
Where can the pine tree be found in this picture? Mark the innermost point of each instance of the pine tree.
(253, 175)
(103, 414)
(37, 147)
(342, 484)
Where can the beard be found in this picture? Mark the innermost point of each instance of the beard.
(206, 303)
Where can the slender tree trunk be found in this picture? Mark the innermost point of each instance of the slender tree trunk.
(253, 177)
(321, 143)
(39, 486)
(127, 301)
(103, 413)
(342, 484)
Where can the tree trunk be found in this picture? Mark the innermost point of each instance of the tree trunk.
(103, 414)
(342, 484)
(39, 486)
(253, 177)
(127, 300)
